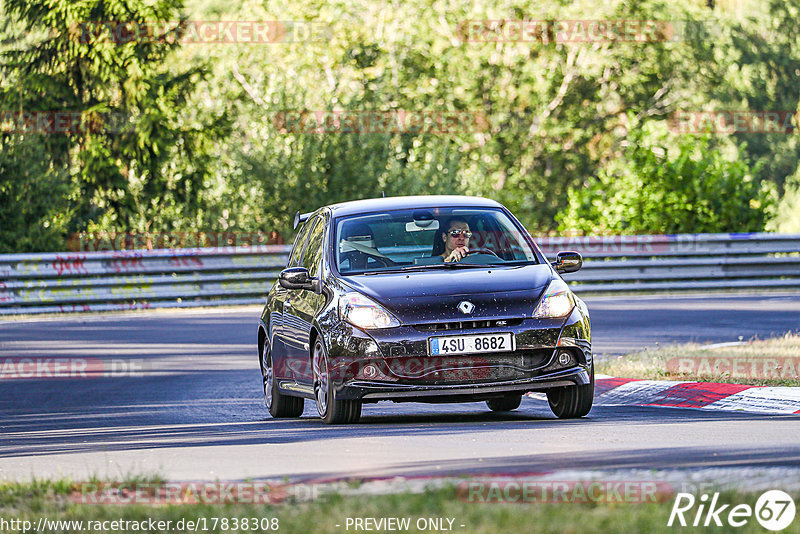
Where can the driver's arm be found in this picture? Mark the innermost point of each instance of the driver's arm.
(457, 255)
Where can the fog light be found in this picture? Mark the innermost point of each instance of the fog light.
(370, 371)
(564, 358)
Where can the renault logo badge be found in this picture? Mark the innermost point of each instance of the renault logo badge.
(465, 307)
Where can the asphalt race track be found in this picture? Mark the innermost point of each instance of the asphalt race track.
(192, 409)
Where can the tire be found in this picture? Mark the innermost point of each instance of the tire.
(280, 406)
(573, 401)
(505, 404)
(331, 410)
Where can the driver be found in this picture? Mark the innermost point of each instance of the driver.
(456, 236)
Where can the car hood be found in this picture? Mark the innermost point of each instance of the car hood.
(434, 296)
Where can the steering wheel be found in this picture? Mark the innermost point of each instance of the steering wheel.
(483, 251)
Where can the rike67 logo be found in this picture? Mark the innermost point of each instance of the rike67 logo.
(774, 510)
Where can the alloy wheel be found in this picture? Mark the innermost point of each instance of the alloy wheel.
(266, 372)
(321, 379)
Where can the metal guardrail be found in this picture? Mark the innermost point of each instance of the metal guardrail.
(682, 261)
(142, 279)
(137, 279)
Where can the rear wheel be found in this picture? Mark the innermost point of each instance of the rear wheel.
(505, 404)
(278, 404)
(572, 401)
(331, 410)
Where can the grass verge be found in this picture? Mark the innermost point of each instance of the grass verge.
(768, 362)
(447, 507)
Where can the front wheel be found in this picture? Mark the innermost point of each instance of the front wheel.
(331, 410)
(279, 405)
(572, 401)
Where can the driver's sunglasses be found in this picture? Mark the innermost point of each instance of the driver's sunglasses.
(459, 233)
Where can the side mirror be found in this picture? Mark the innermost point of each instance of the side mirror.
(567, 262)
(297, 278)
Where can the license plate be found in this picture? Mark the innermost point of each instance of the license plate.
(472, 344)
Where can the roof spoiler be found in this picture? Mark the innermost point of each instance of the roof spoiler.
(301, 218)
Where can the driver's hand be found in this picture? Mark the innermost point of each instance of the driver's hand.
(457, 254)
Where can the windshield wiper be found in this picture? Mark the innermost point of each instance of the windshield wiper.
(380, 272)
(447, 265)
(405, 269)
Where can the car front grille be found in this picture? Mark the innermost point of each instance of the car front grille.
(471, 369)
(467, 325)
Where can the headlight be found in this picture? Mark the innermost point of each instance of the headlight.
(364, 312)
(557, 302)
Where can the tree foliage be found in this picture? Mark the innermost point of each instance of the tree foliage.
(205, 152)
(35, 198)
(654, 189)
(145, 170)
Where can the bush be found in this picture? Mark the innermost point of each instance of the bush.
(787, 214)
(692, 188)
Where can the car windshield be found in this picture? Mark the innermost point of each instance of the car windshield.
(421, 239)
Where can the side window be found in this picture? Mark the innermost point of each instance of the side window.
(313, 253)
(299, 244)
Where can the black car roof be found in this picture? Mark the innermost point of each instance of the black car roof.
(371, 205)
(356, 207)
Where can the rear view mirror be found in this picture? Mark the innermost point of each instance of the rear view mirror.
(297, 278)
(423, 220)
(567, 262)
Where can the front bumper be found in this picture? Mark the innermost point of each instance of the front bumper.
(394, 364)
(375, 391)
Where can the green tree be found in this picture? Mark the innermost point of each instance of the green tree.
(35, 197)
(149, 171)
(757, 70)
(559, 110)
(563, 115)
(654, 189)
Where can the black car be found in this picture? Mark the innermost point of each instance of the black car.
(423, 299)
